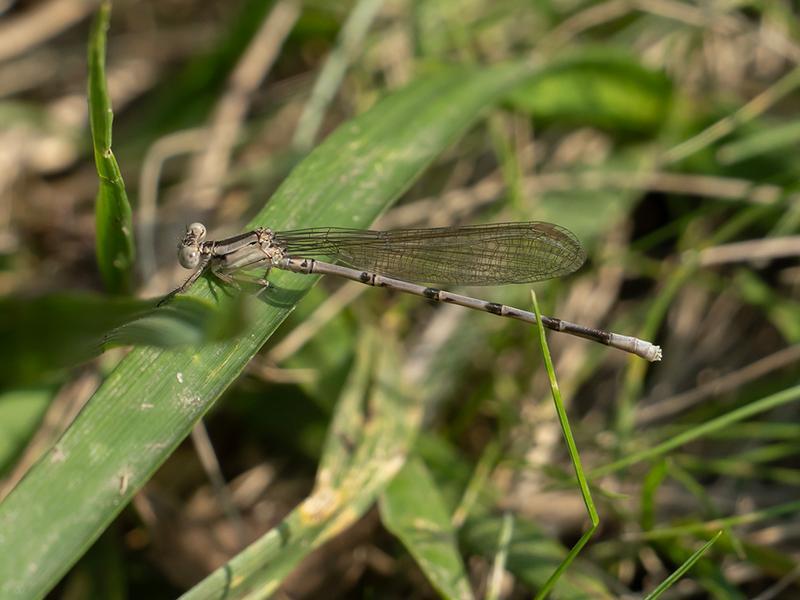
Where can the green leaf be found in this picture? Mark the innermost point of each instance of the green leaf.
(721, 422)
(349, 478)
(494, 587)
(681, 571)
(651, 484)
(413, 510)
(598, 88)
(21, 411)
(45, 334)
(113, 225)
(148, 405)
(574, 456)
(772, 139)
(185, 322)
(533, 557)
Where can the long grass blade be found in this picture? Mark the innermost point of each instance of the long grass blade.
(150, 402)
(113, 223)
(586, 494)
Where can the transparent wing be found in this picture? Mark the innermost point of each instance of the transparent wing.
(495, 254)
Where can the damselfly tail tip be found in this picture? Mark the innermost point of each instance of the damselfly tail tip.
(649, 351)
(635, 346)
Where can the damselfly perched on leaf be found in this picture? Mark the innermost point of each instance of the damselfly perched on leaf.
(403, 259)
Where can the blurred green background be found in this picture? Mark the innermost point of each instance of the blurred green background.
(378, 446)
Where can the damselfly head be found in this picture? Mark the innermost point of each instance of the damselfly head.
(196, 230)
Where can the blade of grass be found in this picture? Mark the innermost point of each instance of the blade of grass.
(681, 571)
(532, 556)
(735, 469)
(764, 404)
(44, 335)
(674, 549)
(652, 483)
(586, 494)
(701, 494)
(754, 108)
(150, 402)
(113, 225)
(772, 139)
(494, 590)
(477, 482)
(744, 519)
(594, 86)
(349, 42)
(413, 510)
(347, 484)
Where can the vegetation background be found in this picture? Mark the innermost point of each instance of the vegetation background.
(377, 446)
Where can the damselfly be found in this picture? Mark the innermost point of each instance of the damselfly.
(403, 259)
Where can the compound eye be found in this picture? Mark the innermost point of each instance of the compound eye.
(189, 257)
(198, 230)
